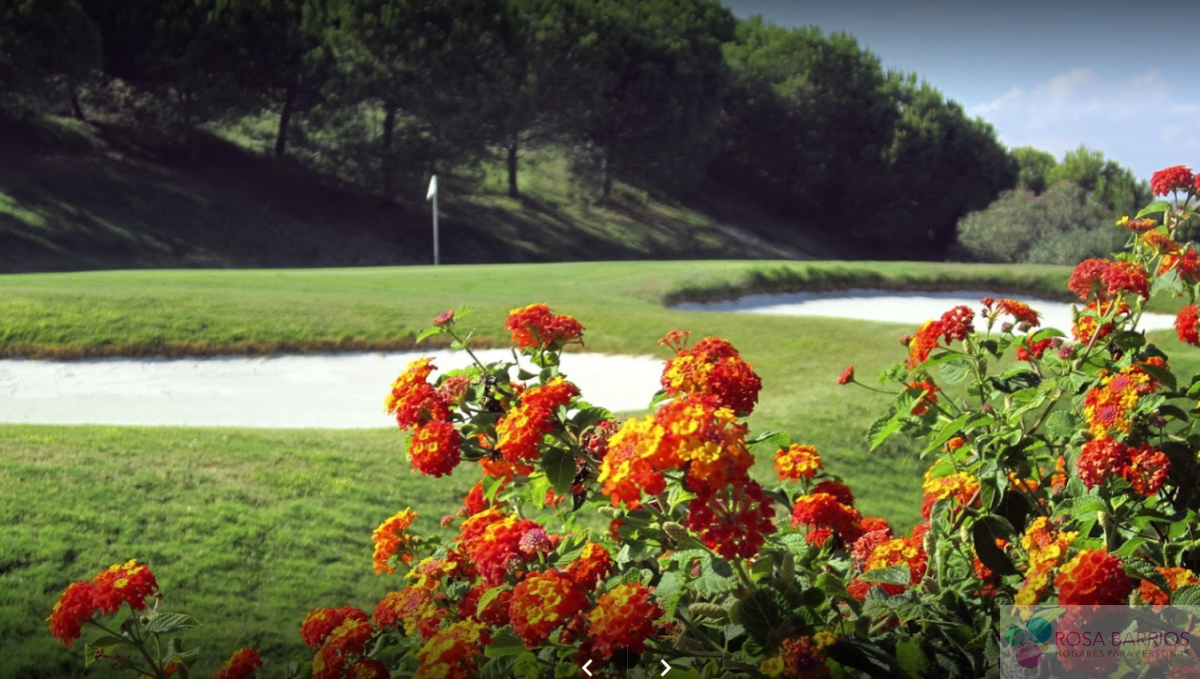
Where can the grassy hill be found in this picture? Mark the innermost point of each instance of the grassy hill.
(100, 196)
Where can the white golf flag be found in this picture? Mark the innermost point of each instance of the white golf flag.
(432, 188)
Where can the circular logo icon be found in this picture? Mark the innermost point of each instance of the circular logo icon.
(1028, 655)
(1029, 641)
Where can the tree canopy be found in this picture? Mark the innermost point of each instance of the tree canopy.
(673, 95)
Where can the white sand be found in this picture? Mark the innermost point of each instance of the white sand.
(911, 309)
(338, 391)
(346, 391)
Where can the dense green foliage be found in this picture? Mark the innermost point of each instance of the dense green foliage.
(675, 97)
(1060, 226)
(1060, 213)
(815, 127)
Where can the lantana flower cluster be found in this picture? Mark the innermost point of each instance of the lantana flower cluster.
(1062, 469)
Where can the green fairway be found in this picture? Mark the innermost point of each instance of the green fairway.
(196, 312)
(249, 529)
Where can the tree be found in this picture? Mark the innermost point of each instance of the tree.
(939, 166)
(424, 66)
(1114, 186)
(185, 53)
(652, 78)
(283, 61)
(1035, 167)
(539, 75)
(806, 119)
(47, 47)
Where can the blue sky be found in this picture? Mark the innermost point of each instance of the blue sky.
(1121, 79)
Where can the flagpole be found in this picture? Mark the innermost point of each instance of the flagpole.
(432, 195)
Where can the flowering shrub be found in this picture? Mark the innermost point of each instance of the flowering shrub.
(1062, 468)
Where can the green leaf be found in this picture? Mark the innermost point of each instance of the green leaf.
(891, 575)
(1173, 411)
(1061, 425)
(1085, 506)
(1167, 283)
(955, 372)
(427, 333)
(1166, 377)
(1153, 209)
(911, 658)
(1045, 333)
(487, 598)
(491, 486)
(891, 426)
(948, 431)
(984, 533)
(1129, 340)
(1144, 570)
(762, 612)
(716, 576)
(864, 656)
(670, 592)
(1188, 595)
(504, 643)
(527, 666)
(499, 667)
(559, 466)
(167, 623)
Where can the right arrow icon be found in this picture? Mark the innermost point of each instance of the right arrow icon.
(585, 668)
(664, 672)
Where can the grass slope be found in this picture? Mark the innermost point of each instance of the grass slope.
(77, 196)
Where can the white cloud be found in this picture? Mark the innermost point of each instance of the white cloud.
(1065, 85)
(1143, 121)
(1077, 95)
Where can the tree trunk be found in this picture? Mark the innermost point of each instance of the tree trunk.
(285, 117)
(389, 162)
(608, 172)
(76, 107)
(512, 169)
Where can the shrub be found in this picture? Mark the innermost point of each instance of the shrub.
(1061, 226)
(1068, 476)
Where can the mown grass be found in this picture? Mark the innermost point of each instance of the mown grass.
(246, 529)
(196, 312)
(249, 529)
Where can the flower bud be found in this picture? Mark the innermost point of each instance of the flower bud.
(609, 512)
(1105, 520)
(787, 567)
(675, 531)
(707, 611)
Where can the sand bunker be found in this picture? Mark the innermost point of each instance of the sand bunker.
(345, 391)
(339, 391)
(907, 308)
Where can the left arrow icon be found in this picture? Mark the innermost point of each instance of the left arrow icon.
(585, 668)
